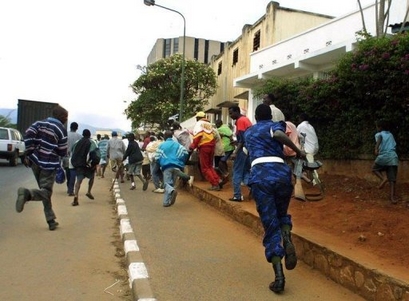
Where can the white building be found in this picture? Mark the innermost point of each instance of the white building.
(312, 52)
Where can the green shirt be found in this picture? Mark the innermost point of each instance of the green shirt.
(226, 133)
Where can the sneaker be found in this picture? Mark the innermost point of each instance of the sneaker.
(145, 185)
(190, 182)
(52, 225)
(234, 199)
(132, 188)
(71, 194)
(23, 195)
(173, 197)
(215, 188)
(75, 202)
(159, 190)
(90, 196)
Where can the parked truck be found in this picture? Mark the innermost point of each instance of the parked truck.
(30, 111)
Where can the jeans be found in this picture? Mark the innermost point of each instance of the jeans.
(156, 174)
(71, 180)
(241, 172)
(169, 177)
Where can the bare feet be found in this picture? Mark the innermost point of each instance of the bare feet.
(382, 183)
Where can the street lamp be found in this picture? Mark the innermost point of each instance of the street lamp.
(182, 77)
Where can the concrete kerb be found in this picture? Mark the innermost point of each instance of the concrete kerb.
(367, 281)
(137, 272)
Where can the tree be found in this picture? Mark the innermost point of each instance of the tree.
(5, 121)
(158, 90)
(382, 9)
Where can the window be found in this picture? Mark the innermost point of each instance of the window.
(256, 41)
(166, 47)
(175, 45)
(196, 50)
(219, 68)
(235, 56)
(206, 52)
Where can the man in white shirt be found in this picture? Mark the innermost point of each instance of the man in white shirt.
(269, 99)
(310, 138)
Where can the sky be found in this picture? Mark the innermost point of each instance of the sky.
(83, 54)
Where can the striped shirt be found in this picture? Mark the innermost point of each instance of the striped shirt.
(46, 142)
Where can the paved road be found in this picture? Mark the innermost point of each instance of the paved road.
(75, 262)
(192, 252)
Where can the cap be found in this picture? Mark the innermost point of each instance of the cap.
(114, 133)
(201, 114)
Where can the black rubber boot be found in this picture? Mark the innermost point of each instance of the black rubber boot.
(277, 286)
(290, 258)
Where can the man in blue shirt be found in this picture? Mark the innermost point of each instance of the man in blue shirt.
(171, 157)
(46, 144)
(271, 187)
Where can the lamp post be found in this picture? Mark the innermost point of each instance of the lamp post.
(182, 76)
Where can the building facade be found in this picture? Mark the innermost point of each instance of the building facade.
(196, 49)
(312, 52)
(276, 25)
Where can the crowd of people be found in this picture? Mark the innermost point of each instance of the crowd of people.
(259, 154)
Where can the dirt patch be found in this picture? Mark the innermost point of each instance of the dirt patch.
(356, 212)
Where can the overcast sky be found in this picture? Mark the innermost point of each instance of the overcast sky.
(83, 54)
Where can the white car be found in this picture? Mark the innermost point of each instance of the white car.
(12, 145)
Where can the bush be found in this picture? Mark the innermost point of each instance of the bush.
(369, 83)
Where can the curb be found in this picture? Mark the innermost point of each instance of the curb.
(137, 272)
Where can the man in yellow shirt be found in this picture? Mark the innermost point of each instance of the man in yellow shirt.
(204, 140)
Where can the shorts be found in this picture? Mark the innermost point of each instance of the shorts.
(391, 171)
(85, 172)
(115, 162)
(134, 169)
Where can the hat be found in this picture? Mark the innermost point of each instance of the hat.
(200, 114)
(114, 133)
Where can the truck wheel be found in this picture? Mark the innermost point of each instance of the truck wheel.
(13, 161)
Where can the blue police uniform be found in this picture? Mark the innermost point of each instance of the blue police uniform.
(270, 182)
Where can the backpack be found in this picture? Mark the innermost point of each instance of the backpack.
(94, 157)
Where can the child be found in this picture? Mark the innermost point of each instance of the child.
(134, 154)
(387, 159)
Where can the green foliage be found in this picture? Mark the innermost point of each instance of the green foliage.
(6, 122)
(369, 83)
(158, 91)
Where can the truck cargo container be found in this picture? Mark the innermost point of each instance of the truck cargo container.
(30, 111)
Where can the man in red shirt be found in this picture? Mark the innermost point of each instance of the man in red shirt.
(241, 165)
